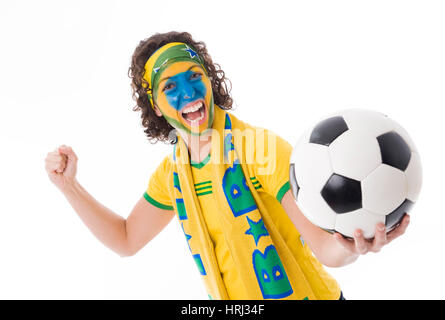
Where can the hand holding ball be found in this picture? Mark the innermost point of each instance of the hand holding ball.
(354, 170)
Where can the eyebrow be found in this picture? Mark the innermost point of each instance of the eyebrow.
(196, 66)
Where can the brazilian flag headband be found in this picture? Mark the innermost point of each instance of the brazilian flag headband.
(163, 57)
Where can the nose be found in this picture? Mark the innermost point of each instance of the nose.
(187, 91)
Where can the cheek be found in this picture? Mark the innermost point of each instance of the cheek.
(201, 87)
(208, 89)
(163, 102)
(173, 100)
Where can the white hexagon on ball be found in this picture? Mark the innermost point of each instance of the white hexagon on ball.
(384, 190)
(316, 209)
(355, 154)
(306, 157)
(370, 122)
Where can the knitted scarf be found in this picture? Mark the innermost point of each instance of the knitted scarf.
(250, 234)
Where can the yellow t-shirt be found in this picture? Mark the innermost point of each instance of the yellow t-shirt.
(271, 188)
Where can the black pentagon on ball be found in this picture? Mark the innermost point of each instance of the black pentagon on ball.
(342, 194)
(394, 150)
(293, 181)
(328, 130)
(392, 219)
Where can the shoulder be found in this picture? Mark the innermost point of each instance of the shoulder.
(164, 171)
(167, 164)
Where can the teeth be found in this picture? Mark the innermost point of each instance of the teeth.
(198, 119)
(193, 108)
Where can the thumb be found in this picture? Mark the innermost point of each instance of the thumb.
(68, 151)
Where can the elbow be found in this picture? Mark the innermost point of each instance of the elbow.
(127, 251)
(332, 259)
(332, 264)
(338, 262)
(125, 248)
(125, 254)
(328, 262)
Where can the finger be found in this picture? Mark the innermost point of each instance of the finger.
(379, 238)
(360, 243)
(399, 230)
(56, 151)
(54, 157)
(56, 162)
(54, 167)
(52, 154)
(347, 244)
(61, 167)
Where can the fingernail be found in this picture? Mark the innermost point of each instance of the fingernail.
(381, 228)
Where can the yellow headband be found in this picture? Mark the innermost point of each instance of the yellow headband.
(161, 58)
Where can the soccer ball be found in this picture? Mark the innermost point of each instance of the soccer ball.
(353, 170)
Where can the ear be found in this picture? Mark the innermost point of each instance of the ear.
(157, 111)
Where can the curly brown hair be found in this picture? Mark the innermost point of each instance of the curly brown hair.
(157, 128)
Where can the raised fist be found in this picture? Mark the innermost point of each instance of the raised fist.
(61, 166)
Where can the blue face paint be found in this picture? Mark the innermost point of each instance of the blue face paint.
(183, 88)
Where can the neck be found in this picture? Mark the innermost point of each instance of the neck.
(198, 145)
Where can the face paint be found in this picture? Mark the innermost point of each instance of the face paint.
(178, 84)
(184, 96)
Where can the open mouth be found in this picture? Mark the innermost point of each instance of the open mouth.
(194, 113)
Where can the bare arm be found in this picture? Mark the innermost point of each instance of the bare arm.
(123, 236)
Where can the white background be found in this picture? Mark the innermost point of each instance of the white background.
(63, 80)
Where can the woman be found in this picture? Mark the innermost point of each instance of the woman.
(226, 181)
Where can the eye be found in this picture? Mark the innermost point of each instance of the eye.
(195, 75)
(168, 87)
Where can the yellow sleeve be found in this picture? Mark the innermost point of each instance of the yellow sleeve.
(272, 169)
(157, 192)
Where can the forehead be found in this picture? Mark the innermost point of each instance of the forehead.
(179, 67)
